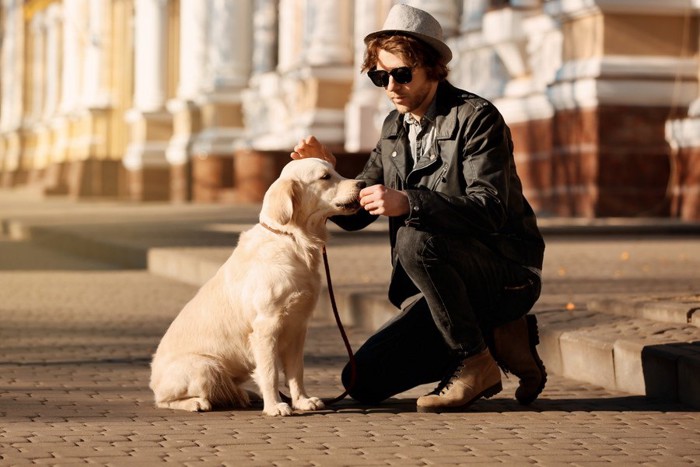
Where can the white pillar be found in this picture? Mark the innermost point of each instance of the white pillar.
(150, 55)
(289, 27)
(11, 80)
(73, 30)
(36, 30)
(265, 41)
(230, 45)
(229, 64)
(362, 112)
(10, 64)
(53, 64)
(472, 14)
(446, 12)
(150, 67)
(193, 50)
(96, 66)
(330, 38)
(194, 16)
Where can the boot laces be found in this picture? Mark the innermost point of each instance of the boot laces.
(449, 379)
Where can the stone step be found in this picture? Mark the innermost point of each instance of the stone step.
(630, 354)
(680, 309)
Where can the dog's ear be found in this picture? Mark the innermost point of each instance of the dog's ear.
(281, 200)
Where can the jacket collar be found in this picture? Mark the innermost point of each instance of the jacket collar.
(447, 97)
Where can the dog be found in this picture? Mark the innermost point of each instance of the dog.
(251, 318)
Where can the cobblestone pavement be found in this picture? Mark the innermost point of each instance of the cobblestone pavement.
(75, 343)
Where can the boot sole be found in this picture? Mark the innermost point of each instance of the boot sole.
(534, 337)
(487, 393)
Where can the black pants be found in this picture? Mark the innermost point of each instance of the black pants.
(466, 290)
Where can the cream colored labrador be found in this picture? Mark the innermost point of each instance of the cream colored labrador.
(250, 319)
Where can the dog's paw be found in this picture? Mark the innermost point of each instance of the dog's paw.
(280, 409)
(309, 403)
(193, 404)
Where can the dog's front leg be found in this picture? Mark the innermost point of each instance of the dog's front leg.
(264, 344)
(293, 361)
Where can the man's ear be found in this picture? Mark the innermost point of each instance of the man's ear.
(281, 200)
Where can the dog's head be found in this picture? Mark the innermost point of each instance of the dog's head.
(309, 191)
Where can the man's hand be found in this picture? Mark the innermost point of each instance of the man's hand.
(382, 201)
(311, 147)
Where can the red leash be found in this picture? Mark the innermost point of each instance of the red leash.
(346, 341)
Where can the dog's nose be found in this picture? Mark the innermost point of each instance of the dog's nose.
(361, 184)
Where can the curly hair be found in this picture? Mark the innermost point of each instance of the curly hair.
(414, 53)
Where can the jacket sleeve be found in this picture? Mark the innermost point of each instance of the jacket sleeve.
(481, 205)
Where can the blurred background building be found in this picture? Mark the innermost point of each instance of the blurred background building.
(202, 100)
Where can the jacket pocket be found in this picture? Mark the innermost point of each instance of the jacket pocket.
(440, 178)
(518, 297)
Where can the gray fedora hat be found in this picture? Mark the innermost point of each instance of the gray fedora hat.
(405, 19)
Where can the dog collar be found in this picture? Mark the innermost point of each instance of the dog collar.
(276, 231)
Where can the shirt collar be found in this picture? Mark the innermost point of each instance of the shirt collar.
(428, 117)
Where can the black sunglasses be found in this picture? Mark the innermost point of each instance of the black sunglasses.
(380, 78)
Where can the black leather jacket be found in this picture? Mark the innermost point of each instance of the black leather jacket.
(467, 186)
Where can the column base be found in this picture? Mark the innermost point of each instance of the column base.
(56, 179)
(685, 202)
(181, 183)
(610, 161)
(149, 184)
(94, 179)
(212, 178)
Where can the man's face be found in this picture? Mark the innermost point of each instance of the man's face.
(413, 97)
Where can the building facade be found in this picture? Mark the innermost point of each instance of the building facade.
(202, 100)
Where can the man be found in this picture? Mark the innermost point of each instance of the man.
(466, 250)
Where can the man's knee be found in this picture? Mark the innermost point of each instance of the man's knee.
(412, 246)
(362, 385)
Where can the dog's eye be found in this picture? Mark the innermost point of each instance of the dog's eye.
(326, 176)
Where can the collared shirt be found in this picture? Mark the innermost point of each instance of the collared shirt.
(421, 134)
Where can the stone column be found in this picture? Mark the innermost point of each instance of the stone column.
(330, 38)
(683, 136)
(37, 30)
(71, 80)
(11, 100)
(35, 155)
(475, 64)
(53, 60)
(261, 100)
(185, 107)
(96, 65)
(363, 115)
(151, 124)
(321, 87)
(227, 73)
(256, 166)
(55, 177)
(291, 33)
(66, 154)
(265, 27)
(445, 11)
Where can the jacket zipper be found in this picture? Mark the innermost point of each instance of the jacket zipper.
(439, 178)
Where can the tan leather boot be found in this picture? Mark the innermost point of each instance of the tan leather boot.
(514, 347)
(477, 376)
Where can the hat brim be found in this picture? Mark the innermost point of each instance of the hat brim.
(440, 47)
